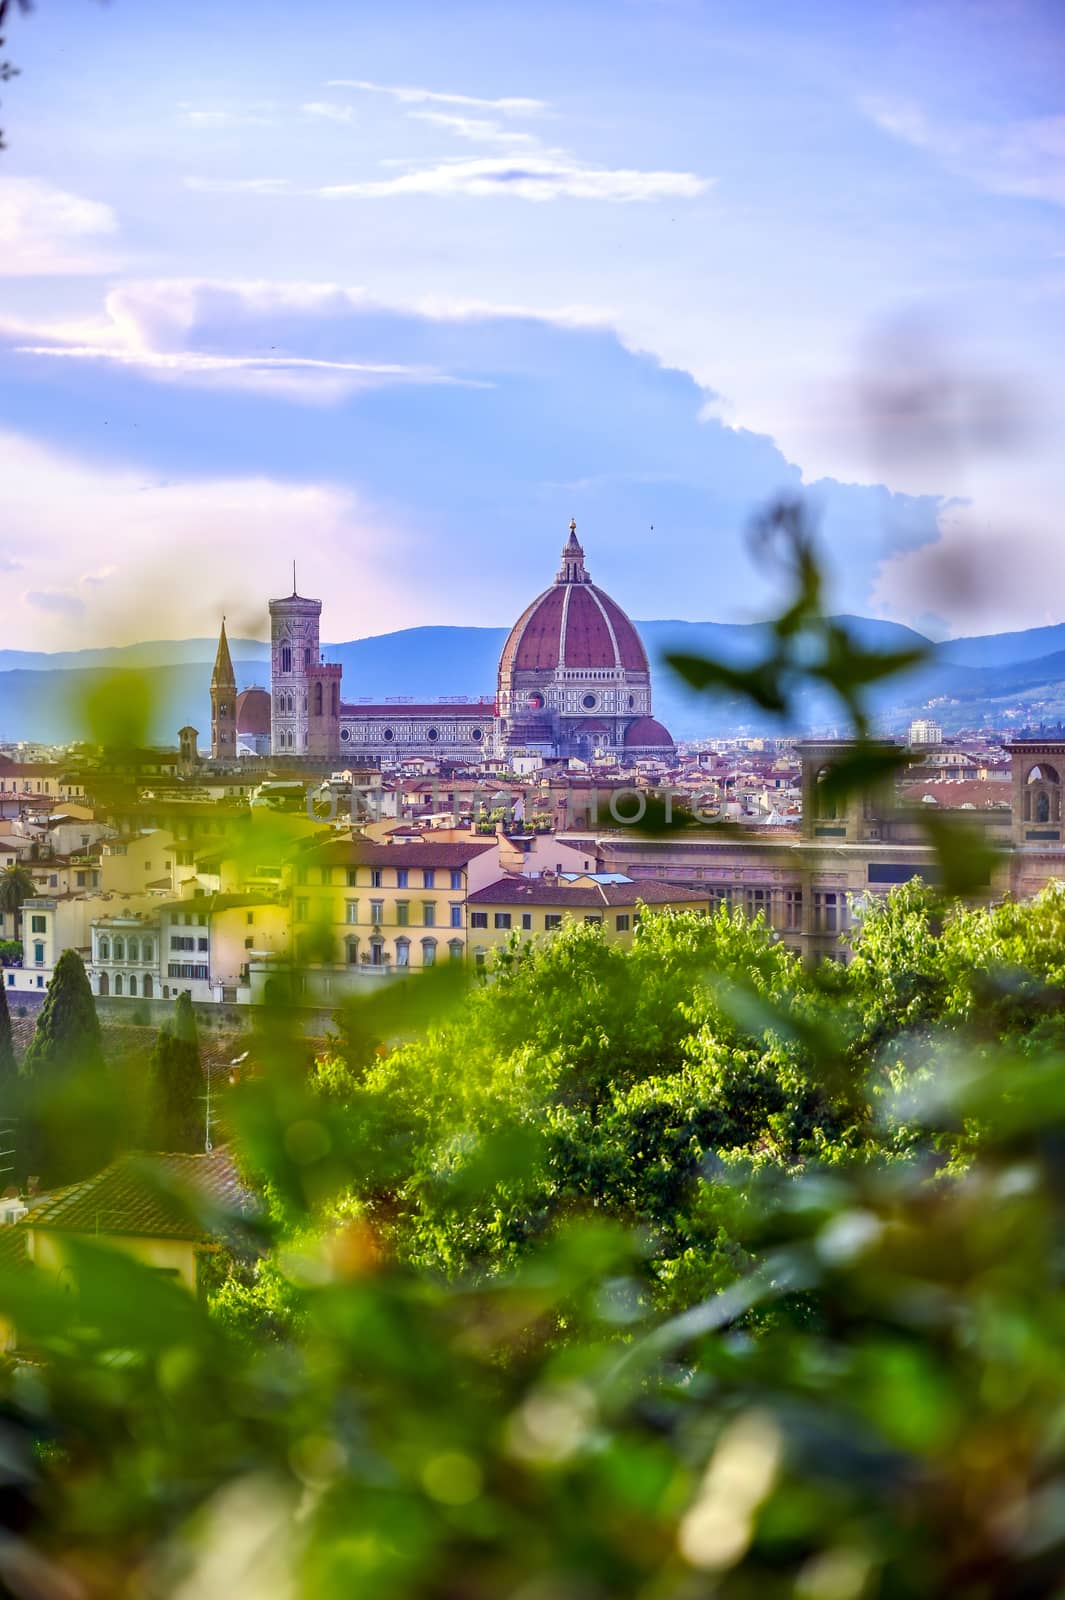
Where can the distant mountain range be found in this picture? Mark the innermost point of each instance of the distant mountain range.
(1001, 680)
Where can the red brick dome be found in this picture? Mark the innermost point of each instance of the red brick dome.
(647, 733)
(573, 624)
(253, 712)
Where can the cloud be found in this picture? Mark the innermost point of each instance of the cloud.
(534, 177)
(329, 110)
(7, 564)
(1024, 157)
(56, 600)
(183, 331)
(187, 550)
(45, 230)
(480, 129)
(222, 117)
(237, 185)
(508, 106)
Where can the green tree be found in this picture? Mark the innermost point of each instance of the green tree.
(70, 1110)
(16, 885)
(174, 1113)
(8, 1071)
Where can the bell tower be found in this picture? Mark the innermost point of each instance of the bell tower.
(305, 690)
(223, 703)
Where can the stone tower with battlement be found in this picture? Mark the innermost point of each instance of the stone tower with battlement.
(304, 690)
(223, 703)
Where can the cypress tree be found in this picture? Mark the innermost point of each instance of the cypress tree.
(7, 1056)
(69, 1107)
(185, 1020)
(174, 1114)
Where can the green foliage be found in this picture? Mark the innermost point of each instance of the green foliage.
(69, 1105)
(185, 1020)
(8, 1071)
(174, 1112)
(16, 885)
(10, 952)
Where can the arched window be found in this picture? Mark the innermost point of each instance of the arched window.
(351, 946)
(105, 949)
(105, 984)
(318, 699)
(825, 807)
(334, 699)
(149, 986)
(1042, 794)
(120, 953)
(133, 985)
(118, 983)
(428, 952)
(306, 657)
(132, 950)
(402, 952)
(149, 950)
(286, 658)
(454, 949)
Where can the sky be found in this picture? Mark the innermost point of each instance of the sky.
(395, 291)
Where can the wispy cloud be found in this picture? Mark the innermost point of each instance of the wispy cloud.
(507, 106)
(535, 177)
(329, 111)
(481, 129)
(238, 185)
(45, 230)
(223, 117)
(1023, 157)
(59, 601)
(170, 330)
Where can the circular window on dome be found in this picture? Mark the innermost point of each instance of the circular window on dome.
(434, 733)
(632, 702)
(345, 734)
(389, 734)
(588, 702)
(478, 735)
(536, 702)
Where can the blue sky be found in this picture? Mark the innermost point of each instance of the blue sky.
(397, 290)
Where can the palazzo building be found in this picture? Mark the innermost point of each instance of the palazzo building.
(573, 680)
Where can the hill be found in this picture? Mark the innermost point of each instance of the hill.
(1001, 679)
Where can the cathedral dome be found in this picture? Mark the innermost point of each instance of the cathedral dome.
(253, 712)
(573, 625)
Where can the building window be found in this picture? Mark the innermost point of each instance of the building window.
(118, 983)
(105, 949)
(377, 911)
(249, 944)
(149, 950)
(286, 658)
(756, 900)
(402, 913)
(793, 909)
(133, 986)
(201, 944)
(433, 735)
(351, 947)
(501, 919)
(351, 911)
(526, 921)
(553, 919)
(79, 880)
(830, 911)
(38, 925)
(454, 950)
(480, 955)
(402, 875)
(428, 914)
(120, 952)
(327, 875)
(301, 909)
(148, 988)
(428, 952)
(133, 951)
(622, 922)
(593, 917)
(456, 916)
(318, 699)
(478, 919)
(353, 877)
(429, 878)
(38, 954)
(375, 877)
(456, 877)
(402, 952)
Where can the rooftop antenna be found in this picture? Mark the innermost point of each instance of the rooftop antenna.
(293, 577)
